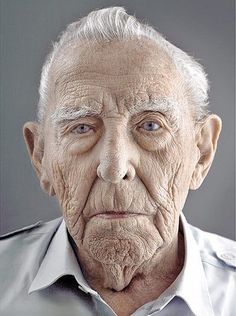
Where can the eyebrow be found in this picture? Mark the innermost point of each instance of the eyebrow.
(167, 106)
(164, 105)
(65, 114)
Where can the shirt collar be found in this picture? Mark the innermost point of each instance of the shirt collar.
(190, 285)
(193, 286)
(58, 261)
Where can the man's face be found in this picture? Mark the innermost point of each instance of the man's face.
(119, 147)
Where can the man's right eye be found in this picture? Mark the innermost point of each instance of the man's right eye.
(81, 129)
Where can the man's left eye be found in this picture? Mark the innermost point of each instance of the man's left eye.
(150, 126)
(82, 129)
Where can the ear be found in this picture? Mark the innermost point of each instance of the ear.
(206, 141)
(35, 147)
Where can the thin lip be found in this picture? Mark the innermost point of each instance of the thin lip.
(117, 212)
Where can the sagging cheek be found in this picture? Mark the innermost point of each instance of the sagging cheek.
(72, 186)
(166, 178)
(176, 184)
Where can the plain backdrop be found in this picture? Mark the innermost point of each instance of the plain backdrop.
(204, 29)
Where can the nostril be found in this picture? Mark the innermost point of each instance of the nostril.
(115, 175)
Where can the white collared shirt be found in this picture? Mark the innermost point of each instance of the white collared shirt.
(40, 275)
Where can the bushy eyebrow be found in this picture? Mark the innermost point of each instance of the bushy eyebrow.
(168, 107)
(65, 114)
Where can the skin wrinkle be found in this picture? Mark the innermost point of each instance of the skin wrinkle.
(153, 196)
(76, 222)
(120, 256)
(149, 193)
(67, 198)
(77, 84)
(63, 114)
(162, 209)
(62, 191)
(114, 228)
(115, 205)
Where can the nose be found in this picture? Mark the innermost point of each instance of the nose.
(116, 160)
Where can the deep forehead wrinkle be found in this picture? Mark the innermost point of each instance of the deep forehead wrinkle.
(166, 106)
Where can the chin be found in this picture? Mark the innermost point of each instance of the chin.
(123, 241)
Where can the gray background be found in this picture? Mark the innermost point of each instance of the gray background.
(205, 29)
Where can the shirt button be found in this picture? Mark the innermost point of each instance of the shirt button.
(228, 256)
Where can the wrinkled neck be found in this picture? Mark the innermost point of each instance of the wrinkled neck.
(158, 272)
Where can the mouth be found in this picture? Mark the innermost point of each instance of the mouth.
(116, 214)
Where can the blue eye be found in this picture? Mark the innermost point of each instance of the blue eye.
(150, 126)
(82, 129)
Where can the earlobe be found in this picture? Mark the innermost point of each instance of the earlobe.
(35, 149)
(46, 185)
(206, 142)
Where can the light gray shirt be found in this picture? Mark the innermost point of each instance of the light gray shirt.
(40, 275)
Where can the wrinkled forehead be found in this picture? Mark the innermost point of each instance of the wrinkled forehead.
(126, 69)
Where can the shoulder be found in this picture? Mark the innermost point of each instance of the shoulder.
(215, 249)
(20, 230)
(22, 250)
(21, 254)
(218, 258)
(38, 233)
(38, 227)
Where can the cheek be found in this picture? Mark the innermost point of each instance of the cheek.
(166, 175)
(183, 176)
(154, 144)
(157, 169)
(157, 173)
(72, 186)
(177, 177)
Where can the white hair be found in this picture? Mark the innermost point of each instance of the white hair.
(115, 24)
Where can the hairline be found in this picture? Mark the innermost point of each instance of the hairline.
(129, 28)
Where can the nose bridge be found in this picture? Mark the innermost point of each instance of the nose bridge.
(114, 160)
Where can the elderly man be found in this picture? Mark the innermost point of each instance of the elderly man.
(123, 134)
